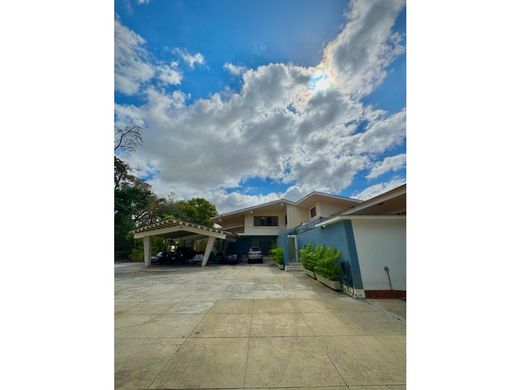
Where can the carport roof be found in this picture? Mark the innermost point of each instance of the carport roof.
(177, 228)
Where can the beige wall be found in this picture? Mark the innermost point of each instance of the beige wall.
(231, 222)
(250, 229)
(296, 215)
(327, 208)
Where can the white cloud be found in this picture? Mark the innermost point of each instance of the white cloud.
(190, 59)
(140, 2)
(276, 126)
(377, 189)
(169, 74)
(383, 132)
(357, 57)
(131, 60)
(135, 67)
(393, 163)
(234, 69)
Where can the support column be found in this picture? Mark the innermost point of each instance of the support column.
(147, 251)
(209, 247)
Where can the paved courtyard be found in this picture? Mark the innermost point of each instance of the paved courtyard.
(249, 327)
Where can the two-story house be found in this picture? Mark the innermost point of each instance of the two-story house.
(259, 226)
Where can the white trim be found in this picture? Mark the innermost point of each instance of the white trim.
(394, 193)
(344, 217)
(283, 200)
(234, 227)
(173, 229)
(339, 197)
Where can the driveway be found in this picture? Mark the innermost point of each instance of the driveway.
(238, 327)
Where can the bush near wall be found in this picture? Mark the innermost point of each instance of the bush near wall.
(137, 254)
(309, 256)
(277, 254)
(328, 264)
(322, 260)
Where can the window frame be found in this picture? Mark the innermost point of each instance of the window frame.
(257, 221)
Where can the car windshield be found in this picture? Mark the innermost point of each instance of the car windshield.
(255, 249)
(159, 254)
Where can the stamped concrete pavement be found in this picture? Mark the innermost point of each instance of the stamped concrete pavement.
(249, 327)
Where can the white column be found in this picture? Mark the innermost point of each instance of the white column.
(209, 247)
(147, 251)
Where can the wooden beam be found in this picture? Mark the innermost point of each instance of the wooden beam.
(173, 229)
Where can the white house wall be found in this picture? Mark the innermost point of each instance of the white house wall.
(251, 230)
(381, 243)
(328, 208)
(231, 222)
(296, 215)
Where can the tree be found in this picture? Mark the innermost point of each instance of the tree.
(122, 173)
(195, 210)
(128, 138)
(135, 204)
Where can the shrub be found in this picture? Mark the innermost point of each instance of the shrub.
(328, 263)
(277, 254)
(137, 254)
(308, 257)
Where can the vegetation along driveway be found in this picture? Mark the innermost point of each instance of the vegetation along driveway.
(237, 327)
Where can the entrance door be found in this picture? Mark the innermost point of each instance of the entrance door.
(293, 249)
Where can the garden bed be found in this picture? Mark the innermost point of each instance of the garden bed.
(309, 273)
(333, 284)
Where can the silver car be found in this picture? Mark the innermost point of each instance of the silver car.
(255, 254)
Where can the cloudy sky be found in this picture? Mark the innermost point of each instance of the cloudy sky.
(246, 101)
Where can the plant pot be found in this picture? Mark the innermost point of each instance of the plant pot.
(281, 266)
(309, 273)
(333, 284)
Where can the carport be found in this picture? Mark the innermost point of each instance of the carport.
(175, 228)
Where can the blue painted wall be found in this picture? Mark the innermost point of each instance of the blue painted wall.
(339, 235)
(282, 242)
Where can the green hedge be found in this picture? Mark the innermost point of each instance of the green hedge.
(322, 260)
(307, 257)
(137, 254)
(277, 254)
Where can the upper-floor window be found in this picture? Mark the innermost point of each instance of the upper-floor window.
(313, 212)
(286, 219)
(266, 221)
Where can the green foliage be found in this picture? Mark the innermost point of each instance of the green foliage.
(322, 260)
(328, 263)
(137, 254)
(195, 210)
(308, 257)
(135, 205)
(277, 254)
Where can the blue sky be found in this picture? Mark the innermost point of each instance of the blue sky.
(244, 101)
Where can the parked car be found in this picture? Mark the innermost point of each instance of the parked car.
(156, 259)
(184, 254)
(199, 256)
(230, 258)
(214, 257)
(165, 257)
(254, 255)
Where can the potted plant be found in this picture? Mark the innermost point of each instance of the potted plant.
(277, 254)
(308, 258)
(327, 268)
